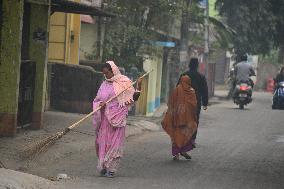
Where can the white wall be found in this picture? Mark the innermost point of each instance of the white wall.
(95, 3)
(88, 39)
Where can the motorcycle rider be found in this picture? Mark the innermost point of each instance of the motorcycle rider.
(243, 71)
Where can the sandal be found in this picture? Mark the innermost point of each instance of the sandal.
(109, 174)
(185, 155)
(103, 172)
(176, 157)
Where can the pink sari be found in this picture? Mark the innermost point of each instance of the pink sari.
(110, 125)
(110, 122)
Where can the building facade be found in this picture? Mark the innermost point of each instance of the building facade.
(28, 39)
(24, 40)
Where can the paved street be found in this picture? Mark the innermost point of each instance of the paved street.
(237, 149)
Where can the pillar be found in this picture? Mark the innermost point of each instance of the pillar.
(10, 59)
(39, 30)
(148, 65)
(159, 64)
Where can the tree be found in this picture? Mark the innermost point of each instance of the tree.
(259, 25)
(138, 22)
(132, 29)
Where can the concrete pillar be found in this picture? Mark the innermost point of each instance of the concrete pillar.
(39, 29)
(10, 59)
(148, 65)
(165, 77)
(75, 38)
(72, 38)
(159, 63)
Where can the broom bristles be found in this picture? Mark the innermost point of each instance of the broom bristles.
(2, 165)
(43, 144)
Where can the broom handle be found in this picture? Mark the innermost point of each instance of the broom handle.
(91, 113)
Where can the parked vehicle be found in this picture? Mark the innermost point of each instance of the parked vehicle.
(242, 94)
(278, 96)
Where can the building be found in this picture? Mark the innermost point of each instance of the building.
(74, 37)
(24, 43)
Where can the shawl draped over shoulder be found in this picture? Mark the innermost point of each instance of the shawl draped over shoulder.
(180, 121)
(116, 111)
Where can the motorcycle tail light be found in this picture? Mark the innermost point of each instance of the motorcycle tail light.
(243, 88)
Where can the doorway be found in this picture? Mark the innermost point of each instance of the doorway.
(27, 75)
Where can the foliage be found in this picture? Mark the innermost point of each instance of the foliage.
(259, 24)
(140, 22)
(270, 58)
(126, 34)
(222, 33)
(212, 11)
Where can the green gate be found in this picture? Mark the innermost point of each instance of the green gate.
(26, 93)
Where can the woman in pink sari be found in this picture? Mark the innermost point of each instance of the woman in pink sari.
(110, 121)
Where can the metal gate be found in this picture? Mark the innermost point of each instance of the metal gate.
(26, 93)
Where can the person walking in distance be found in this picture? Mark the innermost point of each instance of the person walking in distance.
(199, 84)
(180, 121)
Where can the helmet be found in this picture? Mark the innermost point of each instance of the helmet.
(244, 57)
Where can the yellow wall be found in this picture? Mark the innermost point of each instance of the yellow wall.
(154, 84)
(74, 44)
(57, 38)
(64, 38)
(141, 104)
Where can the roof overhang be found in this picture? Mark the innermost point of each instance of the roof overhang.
(77, 8)
(68, 6)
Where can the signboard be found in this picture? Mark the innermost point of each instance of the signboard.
(163, 43)
(203, 4)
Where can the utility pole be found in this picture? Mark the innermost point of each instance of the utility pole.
(184, 36)
(99, 3)
(181, 57)
(208, 76)
(206, 39)
(180, 54)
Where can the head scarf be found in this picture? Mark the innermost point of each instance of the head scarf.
(180, 121)
(193, 64)
(120, 83)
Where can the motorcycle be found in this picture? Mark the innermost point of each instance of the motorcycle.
(242, 94)
(278, 96)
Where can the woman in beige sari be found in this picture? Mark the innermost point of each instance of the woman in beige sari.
(180, 121)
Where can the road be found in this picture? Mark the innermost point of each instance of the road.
(236, 149)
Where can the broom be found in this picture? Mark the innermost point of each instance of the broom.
(2, 165)
(43, 144)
